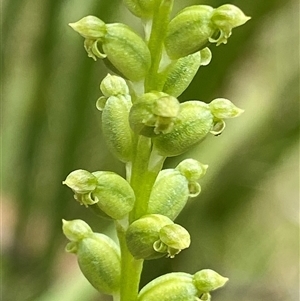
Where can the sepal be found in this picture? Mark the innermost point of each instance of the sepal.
(226, 17)
(90, 27)
(81, 181)
(223, 108)
(208, 280)
(192, 169)
(113, 85)
(76, 229)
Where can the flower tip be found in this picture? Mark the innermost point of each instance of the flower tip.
(205, 167)
(239, 112)
(73, 26)
(243, 20)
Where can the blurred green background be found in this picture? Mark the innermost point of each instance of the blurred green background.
(244, 224)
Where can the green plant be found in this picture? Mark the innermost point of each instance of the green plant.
(143, 124)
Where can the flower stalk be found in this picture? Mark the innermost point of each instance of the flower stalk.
(143, 123)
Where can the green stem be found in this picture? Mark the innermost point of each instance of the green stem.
(145, 168)
(158, 32)
(131, 269)
(146, 163)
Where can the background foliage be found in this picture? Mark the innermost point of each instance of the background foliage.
(244, 223)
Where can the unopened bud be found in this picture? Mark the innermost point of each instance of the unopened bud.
(225, 18)
(113, 85)
(76, 230)
(81, 181)
(90, 27)
(223, 108)
(192, 169)
(208, 280)
(98, 256)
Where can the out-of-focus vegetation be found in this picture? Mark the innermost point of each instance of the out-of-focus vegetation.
(244, 223)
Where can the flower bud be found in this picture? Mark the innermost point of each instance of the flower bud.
(192, 124)
(170, 287)
(173, 187)
(90, 27)
(98, 258)
(192, 169)
(116, 128)
(225, 18)
(113, 195)
(224, 108)
(141, 8)
(113, 85)
(81, 181)
(153, 114)
(143, 233)
(208, 280)
(189, 30)
(76, 229)
(147, 237)
(126, 51)
(194, 27)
